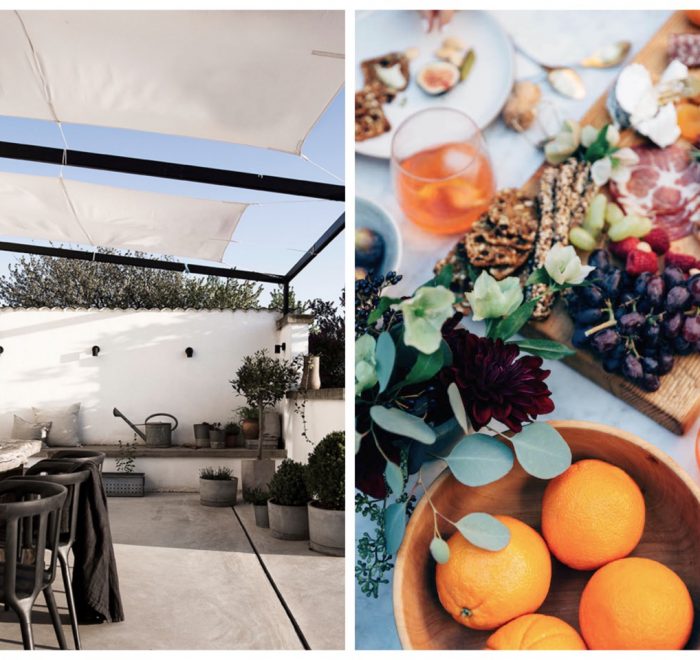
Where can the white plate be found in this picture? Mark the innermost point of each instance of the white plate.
(481, 95)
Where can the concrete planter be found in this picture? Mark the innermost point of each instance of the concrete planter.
(217, 439)
(201, 435)
(218, 492)
(262, 519)
(290, 523)
(257, 473)
(326, 530)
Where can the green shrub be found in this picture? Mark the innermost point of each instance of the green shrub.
(222, 473)
(325, 473)
(287, 486)
(231, 428)
(257, 496)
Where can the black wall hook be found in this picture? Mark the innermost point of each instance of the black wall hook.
(189, 352)
(95, 351)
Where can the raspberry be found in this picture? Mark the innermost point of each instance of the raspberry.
(683, 261)
(641, 261)
(658, 240)
(622, 248)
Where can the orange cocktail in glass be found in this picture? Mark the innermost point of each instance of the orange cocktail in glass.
(441, 169)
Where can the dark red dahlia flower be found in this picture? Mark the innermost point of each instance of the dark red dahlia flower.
(494, 382)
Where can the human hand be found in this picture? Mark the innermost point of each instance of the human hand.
(436, 18)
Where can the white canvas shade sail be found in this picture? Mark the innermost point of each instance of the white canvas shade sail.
(67, 211)
(258, 78)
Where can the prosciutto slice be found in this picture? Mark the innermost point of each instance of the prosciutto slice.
(663, 186)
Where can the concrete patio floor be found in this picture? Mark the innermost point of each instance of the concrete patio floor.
(190, 580)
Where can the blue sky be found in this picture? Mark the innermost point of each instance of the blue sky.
(269, 238)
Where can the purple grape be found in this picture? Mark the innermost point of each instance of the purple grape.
(632, 367)
(648, 351)
(592, 296)
(640, 284)
(665, 361)
(691, 329)
(605, 340)
(655, 290)
(579, 339)
(589, 317)
(682, 347)
(693, 285)
(671, 325)
(630, 323)
(650, 382)
(611, 283)
(673, 276)
(677, 299)
(627, 298)
(612, 364)
(650, 365)
(599, 259)
(651, 333)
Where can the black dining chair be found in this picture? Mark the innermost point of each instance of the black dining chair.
(30, 519)
(62, 471)
(82, 455)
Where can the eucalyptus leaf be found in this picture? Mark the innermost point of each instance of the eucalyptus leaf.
(479, 459)
(394, 478)
(508, 326)
(385, 357)
(426, 366)
(545, 348)
(455, 399)
(541, 450)
(402, 423)
(382, 307)
(484, 531)
(358, 441)
(394, 526)
(440, 550)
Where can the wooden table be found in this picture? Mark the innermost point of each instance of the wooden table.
(14, 453)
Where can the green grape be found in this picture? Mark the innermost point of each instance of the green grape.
(613, 213)
(630, 225)
(595, 215)
(580, 238)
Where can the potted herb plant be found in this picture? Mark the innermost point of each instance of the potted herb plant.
(263, 381)
(231, 431)
(217, 487)
(325, 482)
(217, 439)
(125, 482)
(258, 497)
(287, 504)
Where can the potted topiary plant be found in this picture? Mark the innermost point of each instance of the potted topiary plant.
(125, 482)
(263, 380)
(217, 439)
(287, 504)
(217, 487)
(231, 431)
(258, 497)
(325, 482)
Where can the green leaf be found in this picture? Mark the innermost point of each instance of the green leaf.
(457, 405)
(382, 306)
(479, 459)
(401, 423)
(539, 276)
(510, 325)
(394, 526)
(599, 147)
(541, 450)
(385, 355)
(394, 478)
(358, 441)
(545, 348)
(440, 550)
(484, 531)
(443, 278)
(426, 366)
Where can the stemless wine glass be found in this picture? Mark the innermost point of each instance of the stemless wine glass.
(441, 170)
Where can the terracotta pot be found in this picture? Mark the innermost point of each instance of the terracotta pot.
(250, 428)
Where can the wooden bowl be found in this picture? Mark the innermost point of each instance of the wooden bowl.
(671, 534)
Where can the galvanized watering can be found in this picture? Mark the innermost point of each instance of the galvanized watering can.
(158, 434)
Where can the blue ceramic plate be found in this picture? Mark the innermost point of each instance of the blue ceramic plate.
(369, 215)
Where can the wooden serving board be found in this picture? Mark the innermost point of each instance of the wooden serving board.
(676, 404)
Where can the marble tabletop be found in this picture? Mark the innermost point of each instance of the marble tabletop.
(14, 453)
(515, 159)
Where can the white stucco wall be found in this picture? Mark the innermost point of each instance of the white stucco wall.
(322, 417)
(141, 368)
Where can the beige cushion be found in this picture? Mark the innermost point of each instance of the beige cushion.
(24, 430)
(64, 425)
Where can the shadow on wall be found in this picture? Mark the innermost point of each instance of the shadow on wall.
(141, 368)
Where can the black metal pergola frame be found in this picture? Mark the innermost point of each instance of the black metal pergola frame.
(193, 173)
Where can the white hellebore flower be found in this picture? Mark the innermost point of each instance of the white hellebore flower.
(616, 167)
(423, 316)
(491, 299)
(564, 266)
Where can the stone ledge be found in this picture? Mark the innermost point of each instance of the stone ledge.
(288, 319)
(177, 451)
(324, 394)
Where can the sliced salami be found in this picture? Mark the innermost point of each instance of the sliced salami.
(684, 47)
(663, 186)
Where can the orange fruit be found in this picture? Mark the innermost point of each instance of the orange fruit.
(635, 603)
(592, 514)
(688, 116)
(536, 632)
(482, 589)
(693, 16)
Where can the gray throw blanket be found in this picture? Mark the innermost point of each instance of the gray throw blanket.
(95, 579)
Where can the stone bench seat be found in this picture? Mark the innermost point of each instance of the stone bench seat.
(175, 451)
